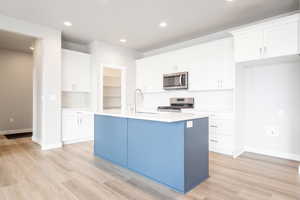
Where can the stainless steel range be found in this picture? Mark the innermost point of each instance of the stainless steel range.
(177, 104)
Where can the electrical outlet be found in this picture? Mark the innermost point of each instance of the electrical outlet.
(272, 131)
(189, 124)
(11, 120)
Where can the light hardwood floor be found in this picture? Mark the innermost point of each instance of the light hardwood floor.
(73, 173)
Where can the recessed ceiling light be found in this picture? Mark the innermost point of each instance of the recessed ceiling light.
(67, 23)
(31, 48)
(163, 24)
(123, 40)
(229, 0)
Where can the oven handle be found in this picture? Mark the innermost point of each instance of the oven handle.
(180, 80)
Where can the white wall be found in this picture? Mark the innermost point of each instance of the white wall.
(47, 79)
(16, 90)
(111, 55)
(272, 100)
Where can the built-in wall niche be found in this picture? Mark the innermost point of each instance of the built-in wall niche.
(112, 88)
(75, 100)
(268, 107)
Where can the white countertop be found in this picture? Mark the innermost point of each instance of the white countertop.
(156, 116)
(74, 110)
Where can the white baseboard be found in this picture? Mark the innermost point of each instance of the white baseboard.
(36, 140)
(238, 153)
(46, 147)
(287, 156)
(77, 140)
(8, 132)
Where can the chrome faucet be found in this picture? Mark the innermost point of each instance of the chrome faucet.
(135, 95)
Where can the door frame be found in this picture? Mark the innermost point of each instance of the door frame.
(100, 85)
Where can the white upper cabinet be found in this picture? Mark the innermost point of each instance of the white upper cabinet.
(276, 38)
(150, 71)
(210, 66)
(281, 39)
(248, 45)
(75, 71)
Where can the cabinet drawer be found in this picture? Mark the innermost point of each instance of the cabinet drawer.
(222, 125)
(222, 139)
(215, 132)
(214, 116)
(221, 144)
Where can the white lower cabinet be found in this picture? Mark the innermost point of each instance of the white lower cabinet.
(77, 127)
(221, 133)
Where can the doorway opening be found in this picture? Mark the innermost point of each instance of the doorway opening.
(16, 86)
(112, 90)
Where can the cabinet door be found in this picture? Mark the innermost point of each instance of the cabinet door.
(150, 71)
(156, 150)
(68, 74)
(248, 45)
(111, 139)
(203, 62)
(70, 126)
(75, 71)
(149, 74)
(228, 67)
(86, 126)
(281, 39)
(83, 72)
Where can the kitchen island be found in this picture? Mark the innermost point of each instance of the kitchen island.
(169, 148)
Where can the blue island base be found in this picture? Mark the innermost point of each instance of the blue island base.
(168, 153)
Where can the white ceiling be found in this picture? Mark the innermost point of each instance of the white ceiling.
(15, 42)
(137, 20)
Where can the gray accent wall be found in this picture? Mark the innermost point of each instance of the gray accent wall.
(16, 90)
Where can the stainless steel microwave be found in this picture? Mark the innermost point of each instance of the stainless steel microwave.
(176, 81)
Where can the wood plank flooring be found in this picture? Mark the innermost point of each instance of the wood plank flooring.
(73, 173)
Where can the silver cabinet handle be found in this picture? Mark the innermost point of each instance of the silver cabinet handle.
(260, 52)
(215, 141)
(265, 50)
(214, 126)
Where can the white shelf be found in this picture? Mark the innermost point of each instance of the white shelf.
(112, 76)
(111, 96)
(112, 86)
(112, 107)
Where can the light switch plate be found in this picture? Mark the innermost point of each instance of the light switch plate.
(189, 124)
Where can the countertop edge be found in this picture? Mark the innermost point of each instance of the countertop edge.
(153, 119)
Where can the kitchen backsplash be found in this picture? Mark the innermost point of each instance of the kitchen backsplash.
(210, 101)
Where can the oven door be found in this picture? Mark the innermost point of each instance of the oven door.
(176, 81)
